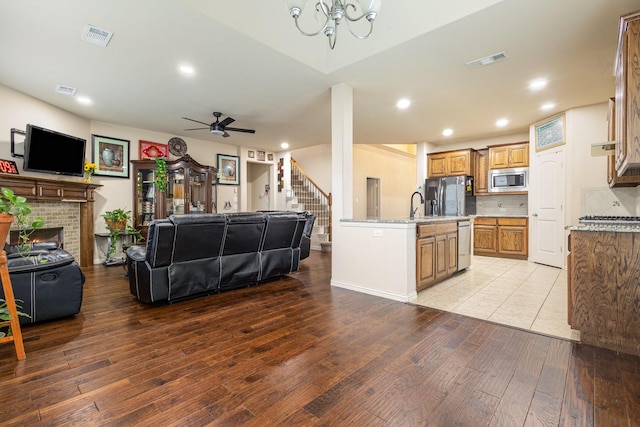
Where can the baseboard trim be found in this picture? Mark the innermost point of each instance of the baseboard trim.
(375, 292)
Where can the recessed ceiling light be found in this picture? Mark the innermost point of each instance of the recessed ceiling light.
(284, 145)
(537, 84)
(447, 132)
(84, 100)
(403, 104)
(187, 69)
(547, 106)
(502, 123)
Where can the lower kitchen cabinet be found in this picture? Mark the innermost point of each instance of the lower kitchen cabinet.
(505, 237)
(436, 253)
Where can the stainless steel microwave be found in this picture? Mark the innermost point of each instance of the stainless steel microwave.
(504, 180)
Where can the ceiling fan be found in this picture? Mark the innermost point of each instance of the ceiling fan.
(220, 127)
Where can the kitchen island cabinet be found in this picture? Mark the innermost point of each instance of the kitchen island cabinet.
(603, 288)
(436, 253)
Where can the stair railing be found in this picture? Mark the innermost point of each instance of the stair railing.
(315, 200)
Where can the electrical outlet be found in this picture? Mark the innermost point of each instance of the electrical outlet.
(377, 233)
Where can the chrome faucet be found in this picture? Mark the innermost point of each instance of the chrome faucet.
(411, 214)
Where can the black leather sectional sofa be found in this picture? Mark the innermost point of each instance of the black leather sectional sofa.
(197, 254)
(46, 279)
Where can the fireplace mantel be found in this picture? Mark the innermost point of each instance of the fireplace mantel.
(43, 189)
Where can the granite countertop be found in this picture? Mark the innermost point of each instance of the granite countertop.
(407, 220)
(605, 227)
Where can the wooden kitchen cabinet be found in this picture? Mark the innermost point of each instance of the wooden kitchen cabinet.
(631, 178)
(436, 253)
(603, 291)
(451, 163)
(505, 237)
(627, 115)
(509, 156)
(481, 176)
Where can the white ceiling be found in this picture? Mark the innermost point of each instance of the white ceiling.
(253, 65)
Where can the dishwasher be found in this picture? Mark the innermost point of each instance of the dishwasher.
(464, 244)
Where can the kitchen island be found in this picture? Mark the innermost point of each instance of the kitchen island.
(379, 255)
(603, 269)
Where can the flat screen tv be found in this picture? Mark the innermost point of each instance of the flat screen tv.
(53, 152)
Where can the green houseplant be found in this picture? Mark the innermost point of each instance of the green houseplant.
(16, 209)
(161, 174)
(5, 315)
(118, 221)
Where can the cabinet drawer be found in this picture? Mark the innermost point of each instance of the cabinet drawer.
(427, 230)
(485, 221)
(522, 222)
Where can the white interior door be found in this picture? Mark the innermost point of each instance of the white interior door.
(546, 199)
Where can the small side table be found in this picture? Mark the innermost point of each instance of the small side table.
(126, 239)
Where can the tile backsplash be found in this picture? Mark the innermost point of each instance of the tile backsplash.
(502, 205)
(609, 201)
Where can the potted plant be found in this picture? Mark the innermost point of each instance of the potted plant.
(117, 222)
(5, 315)
(16, 209)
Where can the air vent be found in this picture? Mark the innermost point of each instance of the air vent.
(496, 57)
(96, 35)
(66, 90)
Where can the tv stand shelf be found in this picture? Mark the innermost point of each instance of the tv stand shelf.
(54, 190)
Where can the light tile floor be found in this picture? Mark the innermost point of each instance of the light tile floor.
(510, 292)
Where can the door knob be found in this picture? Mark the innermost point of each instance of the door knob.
(534, 214)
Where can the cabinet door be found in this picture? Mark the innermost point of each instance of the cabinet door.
(425, 260)
(437, 165)
(145, 199)
(452, 253)
(484, 240)
(460, 163)
(441, 256)
(518, 156)
(512, 240)
(498, 157)
(481, 177)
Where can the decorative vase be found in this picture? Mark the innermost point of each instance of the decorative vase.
(107, 156)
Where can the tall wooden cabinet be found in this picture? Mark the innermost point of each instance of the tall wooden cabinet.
(191, 188)
(627, 115)
(481, 178)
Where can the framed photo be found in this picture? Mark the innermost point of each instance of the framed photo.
(261, 156)
(550, 132)
(228, 169)
(151, 150)
(270, 157)
(251, 154)
(111, 155)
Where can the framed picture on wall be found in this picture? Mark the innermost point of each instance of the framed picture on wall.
(151, 150)
(550, 132)
(261, 155)
(251, 154)
(228, 168)
(111, 155)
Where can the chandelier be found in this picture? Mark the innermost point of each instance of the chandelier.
(331, 13)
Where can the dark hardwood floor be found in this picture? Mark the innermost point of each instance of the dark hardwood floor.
(297, 352)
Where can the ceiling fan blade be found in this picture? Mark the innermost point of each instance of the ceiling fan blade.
(197, 121)
(241, 130)
(227, 121)
(197, 128)
(225, 135)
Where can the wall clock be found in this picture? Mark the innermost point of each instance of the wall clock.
(177, 146)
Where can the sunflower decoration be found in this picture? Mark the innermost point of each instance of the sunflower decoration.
(89, 170)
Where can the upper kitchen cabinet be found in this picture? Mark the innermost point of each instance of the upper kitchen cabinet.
(451, 163)
(481, 177)
(631, 178)
(627, 73)
(509, 156)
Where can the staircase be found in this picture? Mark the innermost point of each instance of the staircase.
(308, 196)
